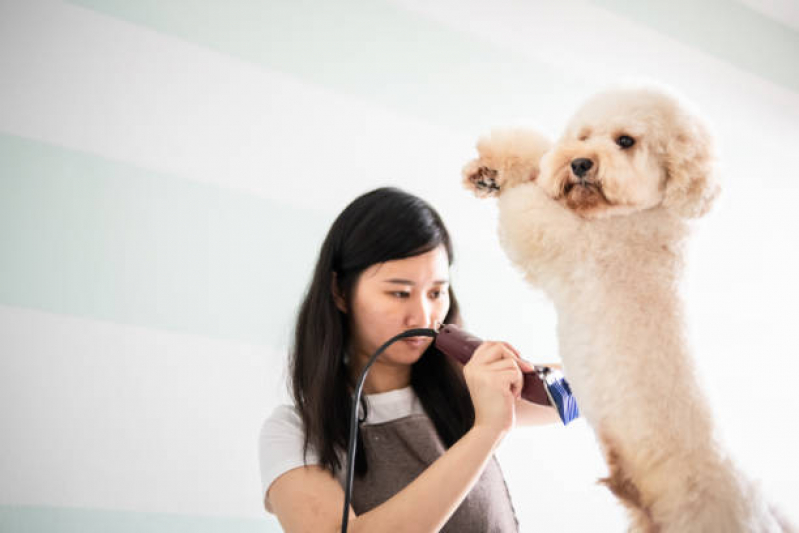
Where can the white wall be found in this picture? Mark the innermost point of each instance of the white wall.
(168, 170)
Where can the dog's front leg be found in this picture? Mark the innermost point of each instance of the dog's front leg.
(536, 232)
(544, 239)
(506, 159)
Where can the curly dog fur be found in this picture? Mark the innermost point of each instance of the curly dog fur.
(598, 220)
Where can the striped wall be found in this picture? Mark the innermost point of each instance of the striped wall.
(169, 169)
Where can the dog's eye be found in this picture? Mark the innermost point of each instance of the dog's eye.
(625, 141)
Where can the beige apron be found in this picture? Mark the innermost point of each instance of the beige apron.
(399, 450)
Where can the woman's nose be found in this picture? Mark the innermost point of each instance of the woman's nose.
(420, 314)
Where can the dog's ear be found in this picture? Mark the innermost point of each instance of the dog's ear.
(691, 181)
(506, 158)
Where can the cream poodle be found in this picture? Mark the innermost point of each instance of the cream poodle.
(598, 220)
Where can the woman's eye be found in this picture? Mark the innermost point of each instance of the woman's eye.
(401, 294)
(625, 141)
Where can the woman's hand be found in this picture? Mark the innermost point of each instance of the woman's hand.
(494, 378)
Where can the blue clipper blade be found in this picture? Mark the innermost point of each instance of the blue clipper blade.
(560, 394)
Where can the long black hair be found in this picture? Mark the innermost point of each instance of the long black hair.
(382, 225)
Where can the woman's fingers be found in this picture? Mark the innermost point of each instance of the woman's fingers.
(509, 375)
(495, 380)
(512, 349)
(504, 364)
(525, 365)
(487, 352)
(490, 351)
(500, 363)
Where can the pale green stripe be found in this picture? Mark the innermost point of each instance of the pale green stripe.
(367, 48)
(91, 237)
(383, 53)
(723, 28)
(43, 519)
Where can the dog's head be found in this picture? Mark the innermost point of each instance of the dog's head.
(627, 150)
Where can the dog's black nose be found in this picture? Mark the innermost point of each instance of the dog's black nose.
(581, 166)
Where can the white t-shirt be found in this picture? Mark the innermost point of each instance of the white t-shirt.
(281, 439)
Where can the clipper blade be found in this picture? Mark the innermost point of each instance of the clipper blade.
(560, 394)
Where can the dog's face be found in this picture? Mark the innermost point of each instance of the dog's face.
(629, 150)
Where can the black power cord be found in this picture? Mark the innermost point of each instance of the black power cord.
(356, 399)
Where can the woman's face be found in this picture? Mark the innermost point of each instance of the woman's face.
(394, 296)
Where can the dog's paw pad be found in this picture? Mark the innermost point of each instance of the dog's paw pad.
(484, 180)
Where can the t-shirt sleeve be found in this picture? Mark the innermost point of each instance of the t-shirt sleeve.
(280, 446)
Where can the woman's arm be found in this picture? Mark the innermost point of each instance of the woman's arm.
(310, 499)
(432, 498)
(532, 414)
(528, 413)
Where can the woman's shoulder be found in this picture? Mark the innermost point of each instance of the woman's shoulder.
(282, 431)
(281, 445)
(283, 417)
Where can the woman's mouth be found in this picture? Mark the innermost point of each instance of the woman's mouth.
(415, 342)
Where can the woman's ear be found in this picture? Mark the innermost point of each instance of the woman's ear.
(338, 298)
(691, 182)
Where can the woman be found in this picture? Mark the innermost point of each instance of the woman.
(428, 427)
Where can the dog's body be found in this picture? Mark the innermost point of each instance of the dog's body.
(607, 247)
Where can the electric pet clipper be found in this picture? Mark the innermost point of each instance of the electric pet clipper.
(543, 386)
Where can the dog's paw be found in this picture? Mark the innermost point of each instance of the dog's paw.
(506, 158)
(480, 179)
